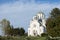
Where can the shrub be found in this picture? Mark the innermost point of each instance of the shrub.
(44, 34)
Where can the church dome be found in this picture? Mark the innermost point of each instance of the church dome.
(41, 15)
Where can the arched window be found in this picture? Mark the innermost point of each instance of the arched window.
(36, 17)
(34, 32)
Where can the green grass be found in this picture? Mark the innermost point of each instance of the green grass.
(22, 38)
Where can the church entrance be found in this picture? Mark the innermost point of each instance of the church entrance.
(34, 32)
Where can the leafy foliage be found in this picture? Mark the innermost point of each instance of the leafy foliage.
(16, 32)
(53, 23)
(6, 25)
(9, 30)
(22, 31)
(44, 34)
(55, 12)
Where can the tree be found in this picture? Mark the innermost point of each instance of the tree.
(55, 12)
(9, 30)
(53, 23)
(6, 25)
(22, 31)
(15, 31)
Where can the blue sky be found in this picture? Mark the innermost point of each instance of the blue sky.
(37, 1)
(20, 12)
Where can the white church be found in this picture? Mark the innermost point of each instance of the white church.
(37, 25)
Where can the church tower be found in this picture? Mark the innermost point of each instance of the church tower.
(37, 25)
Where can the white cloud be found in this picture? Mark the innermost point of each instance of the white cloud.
(20, 13)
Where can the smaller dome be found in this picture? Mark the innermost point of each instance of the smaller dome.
(41, 15)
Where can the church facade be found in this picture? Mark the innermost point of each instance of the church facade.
(37, 25)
